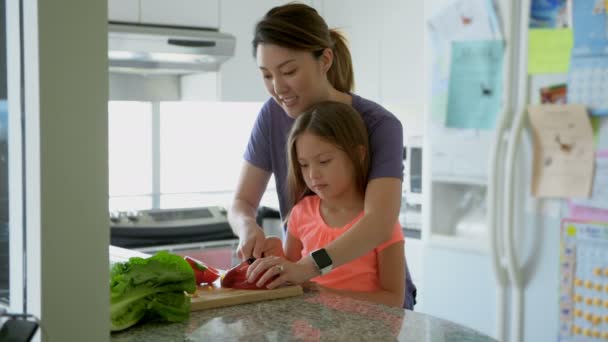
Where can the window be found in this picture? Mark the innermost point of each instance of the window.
(130, 155)
(178, 154)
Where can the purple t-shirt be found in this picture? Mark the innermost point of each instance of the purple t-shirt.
(267, 144)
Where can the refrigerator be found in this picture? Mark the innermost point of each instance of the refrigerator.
(493, 253)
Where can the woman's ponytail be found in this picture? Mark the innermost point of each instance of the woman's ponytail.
(340, 75)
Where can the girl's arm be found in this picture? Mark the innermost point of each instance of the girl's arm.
(241, 215)
(293, 248)
(391, 264)
(381, 211)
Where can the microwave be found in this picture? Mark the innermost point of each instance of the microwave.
(412, 173)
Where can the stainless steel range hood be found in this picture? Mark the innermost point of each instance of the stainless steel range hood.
(153, 49)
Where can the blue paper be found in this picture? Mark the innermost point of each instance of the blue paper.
(590, 27)
(548, 14)
(475, 89)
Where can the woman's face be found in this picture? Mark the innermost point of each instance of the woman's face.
(295, 79)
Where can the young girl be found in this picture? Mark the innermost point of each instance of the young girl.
(328, 163)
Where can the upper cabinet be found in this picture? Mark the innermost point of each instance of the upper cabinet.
(193, 13)
(123, 10)
(386, 43)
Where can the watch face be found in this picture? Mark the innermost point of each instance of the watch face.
(321, 258)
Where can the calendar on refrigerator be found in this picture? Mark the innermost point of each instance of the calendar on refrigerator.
(588, 76)
(583, 281)
(588, 82)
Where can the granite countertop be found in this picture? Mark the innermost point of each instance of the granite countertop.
(312, 317)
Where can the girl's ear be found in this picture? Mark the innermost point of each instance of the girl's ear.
(327, 59)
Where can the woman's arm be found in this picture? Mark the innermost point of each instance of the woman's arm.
(391, 264)
(242, 213)
(381, 211)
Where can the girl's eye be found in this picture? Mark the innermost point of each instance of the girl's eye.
(267, 77)
(303, 166)
(289, 73)
(323, 162)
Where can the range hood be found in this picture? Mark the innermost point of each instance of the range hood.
(155, 49)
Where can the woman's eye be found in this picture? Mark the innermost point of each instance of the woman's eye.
(323, 162)
(303, 166)
(289, 73)
(267, 77)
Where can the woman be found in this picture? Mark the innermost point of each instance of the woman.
(303, 62)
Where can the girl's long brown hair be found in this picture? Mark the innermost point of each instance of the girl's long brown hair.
(300, 27)
(338, 124)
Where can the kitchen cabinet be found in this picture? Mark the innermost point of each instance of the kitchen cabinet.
(123, 10)
(194, 13)
(386, 42)
(240, 78)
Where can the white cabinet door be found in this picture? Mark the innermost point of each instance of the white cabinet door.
(123, 10)
(361, 24)
(386, 43)
(195, 13)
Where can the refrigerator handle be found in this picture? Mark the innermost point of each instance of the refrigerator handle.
(514, 269)
(494, 223)
(519, 37)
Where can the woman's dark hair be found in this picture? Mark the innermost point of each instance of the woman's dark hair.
(340, 125)
(299, 27)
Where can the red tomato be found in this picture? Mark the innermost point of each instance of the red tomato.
(236, 277)
(203, 273)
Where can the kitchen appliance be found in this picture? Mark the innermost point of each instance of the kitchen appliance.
(500, 257)
(202, 233)
(159, 227)
(157, 49)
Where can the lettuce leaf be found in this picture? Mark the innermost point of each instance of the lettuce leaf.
(153, 288)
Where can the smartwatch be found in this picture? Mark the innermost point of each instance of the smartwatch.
(322, 260)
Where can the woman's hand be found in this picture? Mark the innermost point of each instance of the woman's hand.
(252, 244)
(281, 268)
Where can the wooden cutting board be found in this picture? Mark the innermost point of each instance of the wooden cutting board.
(213, 296)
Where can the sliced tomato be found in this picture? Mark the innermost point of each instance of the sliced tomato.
(203, 273)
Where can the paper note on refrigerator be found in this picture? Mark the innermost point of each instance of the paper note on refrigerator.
(475, 89)
(549, 50)
(461, 20)
(563, 151)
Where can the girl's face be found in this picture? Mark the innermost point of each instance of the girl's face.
(326, 169)
(295, 79)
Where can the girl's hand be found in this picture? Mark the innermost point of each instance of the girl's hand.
(273, 246)
(279, 268)
(251, 244)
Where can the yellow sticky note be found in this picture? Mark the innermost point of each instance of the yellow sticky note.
(549, 50)
(571, 230)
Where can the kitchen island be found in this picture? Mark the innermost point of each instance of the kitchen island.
(311, 317)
